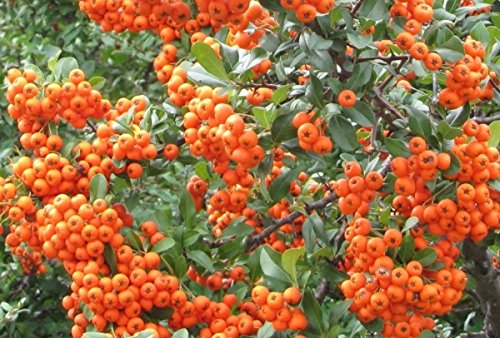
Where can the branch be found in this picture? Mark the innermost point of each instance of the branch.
(322, 290)
(487, 287)
(356, 8)
(486, 119)
(474, 335)
(387, 59)
(494, 85)
(92, 126)
(319, 204)
(391, 76)
(385, 103)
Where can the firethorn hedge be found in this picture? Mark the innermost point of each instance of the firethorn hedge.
(243, 168)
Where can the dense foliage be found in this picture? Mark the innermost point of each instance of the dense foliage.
(226, 168)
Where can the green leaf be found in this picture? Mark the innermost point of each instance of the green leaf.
(480, 33)
(202, 259)
(376, 325)
(98, 187)
(407, 249)
(281, 94)
(147, 333)
(135, 241)
(397, 147)
(458, 117)
(427, 334)
(373, 9)
(339, 310)
(359, 41)
(64, 66)
(448, 132)
(452, 50)
(186, 207)
(419, 123)
(110, 257)
(97, 82)
(410, 223)
(426, 256)
(361, 113)
(314, 92)
(40, 77)
(343, 133)
(183, 333)
(199, 75)
(266, 331)
(207, 57)
(271, 269)
(313, 311)
(495, 184)
(282, 129)
(163, 245)
(94, 335)
(289, 262)
(454, 165)
(495, 134)
(237, 228)
(51, 64)
(201, 169)
(265, 116)
(280, 187)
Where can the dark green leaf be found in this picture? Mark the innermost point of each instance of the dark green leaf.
(376, 325)
(451, 50)
(280, 187)
(271, 268)
(282, 129)
(110, 257)
(202, 259)
(98, 187)
(163, 245)
(407, 249)
(480, 33)
(448, 132)
(209, 60)
(343, 133)
(454, 165)
(361, 113)
(373, 9)
(313, 311)
(314, 92)
(397, 147)
(458, 117)
(426, 256)
(186, 207)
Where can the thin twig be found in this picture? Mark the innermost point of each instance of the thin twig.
(385, 103)
(486, 119)
(319, 204)
(322, 290)
(387, 59)
(356, 8)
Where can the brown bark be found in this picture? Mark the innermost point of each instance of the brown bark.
(487, 286)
